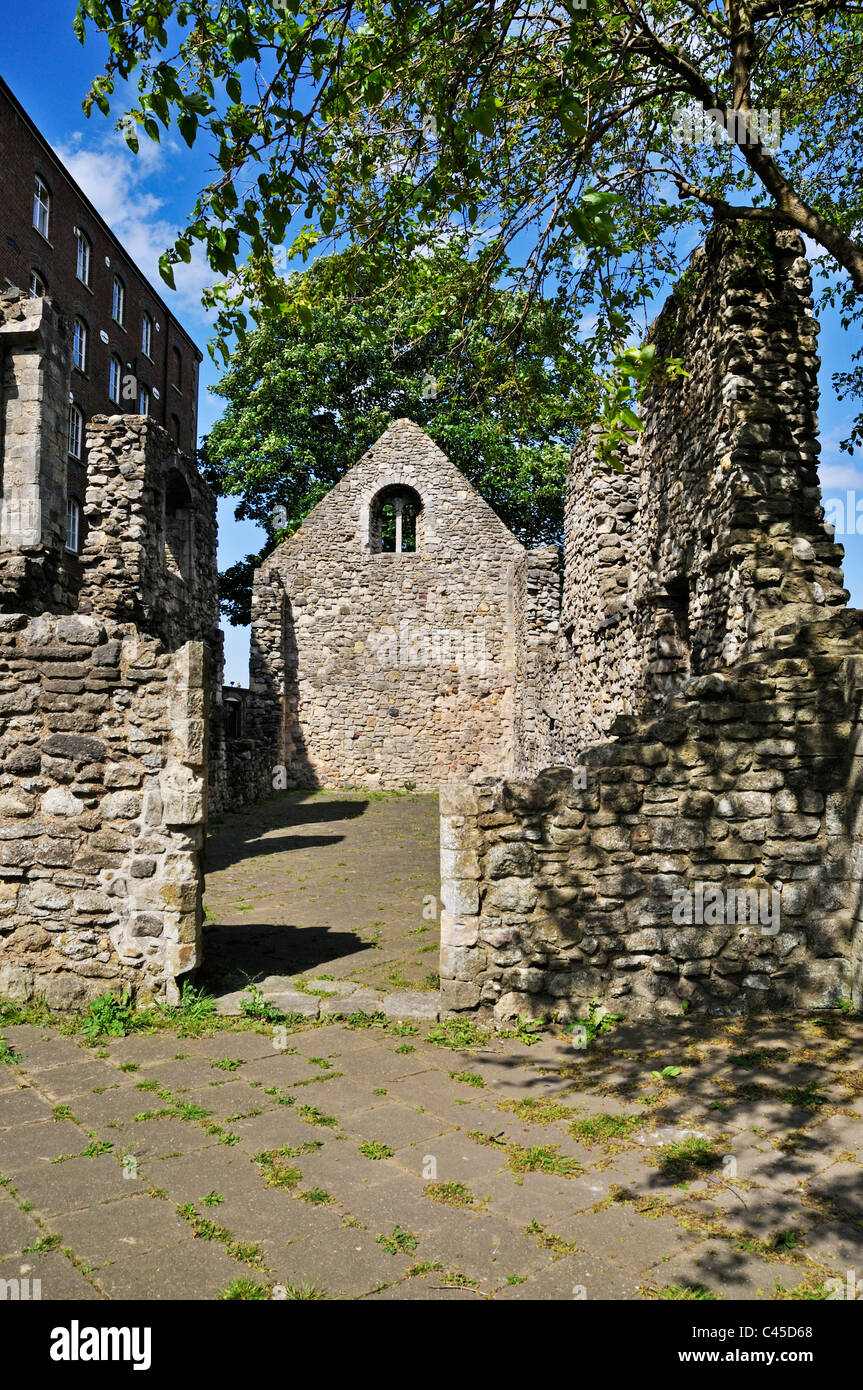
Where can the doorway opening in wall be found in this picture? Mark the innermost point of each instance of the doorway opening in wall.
(334, 891)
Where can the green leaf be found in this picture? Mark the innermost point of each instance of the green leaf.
(188, 125)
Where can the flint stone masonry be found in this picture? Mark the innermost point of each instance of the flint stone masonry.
(555, 895)
(378, 668)
(108, 666)
(100, 837)
(705, 673)
(710, 540)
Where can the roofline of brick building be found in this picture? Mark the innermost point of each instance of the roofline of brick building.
(7, 92)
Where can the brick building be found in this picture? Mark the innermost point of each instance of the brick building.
(129, 353)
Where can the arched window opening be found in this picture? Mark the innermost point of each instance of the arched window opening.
(178, 525)
(395, 521)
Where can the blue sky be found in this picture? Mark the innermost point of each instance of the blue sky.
(145, 198)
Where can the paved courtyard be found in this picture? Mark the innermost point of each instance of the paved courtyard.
(366, 1160)
(327, 882)
(360, 1148)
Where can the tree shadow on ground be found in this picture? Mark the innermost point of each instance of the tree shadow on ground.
(232, 841)
(274, 844)
(236, 956)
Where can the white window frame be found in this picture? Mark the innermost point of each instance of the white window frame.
(80, 335)
(76, 431)
(115, 379)
(41, 207)
(147, 335)
(118, 301)
(143, 400)
(36, 279)
(73, 525)
(83, 257)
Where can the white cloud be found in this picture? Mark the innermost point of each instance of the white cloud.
(836, 469)
(124, 187)
(840, 475)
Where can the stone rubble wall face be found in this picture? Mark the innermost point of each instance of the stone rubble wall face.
(380, 669)
(35, 356)
(103, 748)
(706, 676)
(556, 893)
(537, 614)
(721, 492)
(126, 571)
(110, 669)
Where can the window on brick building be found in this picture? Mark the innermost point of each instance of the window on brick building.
(118, 307)
(115, 378)
(41, 207)
(73, 525)
(76, 431)
(37, 285)
(79, 345)
(147, 336)
(143, 401)
(84, 256)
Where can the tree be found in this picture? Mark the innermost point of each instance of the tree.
(305, 399)
(562, 126)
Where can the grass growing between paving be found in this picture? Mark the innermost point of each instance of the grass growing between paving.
(116, 1016)
(536, 1158)
(450, 1194)
(276, 1165)
(244, 1252)
(399, 1243)
(683, 1072)
(547, 1240)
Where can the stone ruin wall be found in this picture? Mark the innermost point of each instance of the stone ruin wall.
(711, 538)
(34, 392)
(103, 737)
(104, 710)
(702, 630)
(536, 604)
(377, 669)
(558, 890)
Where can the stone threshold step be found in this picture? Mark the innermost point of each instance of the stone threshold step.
(343, 998)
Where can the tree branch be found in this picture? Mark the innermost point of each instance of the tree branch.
(722, 210)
